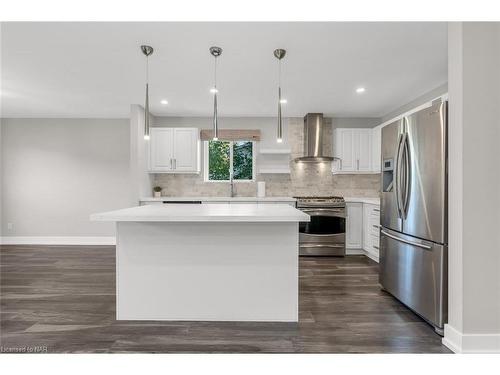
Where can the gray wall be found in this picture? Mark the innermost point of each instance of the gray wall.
(474, 181)
(56, 172)
(355, 122)
(438, 91)
(1, 179)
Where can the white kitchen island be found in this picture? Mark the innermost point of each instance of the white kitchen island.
(217, 262)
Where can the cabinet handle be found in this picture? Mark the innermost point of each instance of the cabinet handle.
(340, 164)
(358, 163)
(375, 247)
(171, 165)
(375, 226)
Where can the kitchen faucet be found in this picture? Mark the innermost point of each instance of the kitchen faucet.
(231, 182)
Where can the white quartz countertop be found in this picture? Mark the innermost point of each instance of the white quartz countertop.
(219, 199)
(375, 201)
(222, 212)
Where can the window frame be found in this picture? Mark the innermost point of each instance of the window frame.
(206, 160)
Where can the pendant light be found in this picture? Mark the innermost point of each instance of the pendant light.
(147, 51)
(216, 52)
(279, 54)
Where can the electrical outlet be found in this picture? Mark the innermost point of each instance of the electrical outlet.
(10, 226)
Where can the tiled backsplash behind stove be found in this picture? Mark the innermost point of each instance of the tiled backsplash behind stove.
(305, 179)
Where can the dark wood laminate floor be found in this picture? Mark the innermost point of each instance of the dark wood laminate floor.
(63, 298)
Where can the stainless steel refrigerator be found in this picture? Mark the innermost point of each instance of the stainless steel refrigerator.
(413, 233)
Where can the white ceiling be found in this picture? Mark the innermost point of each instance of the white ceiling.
(97, 69)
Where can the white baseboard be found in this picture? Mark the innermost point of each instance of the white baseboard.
(371, 256)
(57, 240)
(355, 252)
(361, 252)
(459, 342)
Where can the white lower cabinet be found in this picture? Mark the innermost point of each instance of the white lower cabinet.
(362, 228)
(371, 229)
(354, 226)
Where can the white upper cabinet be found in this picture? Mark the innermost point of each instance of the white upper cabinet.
(186, 149)
(344, 149)
(161, 149)
(174, 150)
(354, 149)
(363, 147)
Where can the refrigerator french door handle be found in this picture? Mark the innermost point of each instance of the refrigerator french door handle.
(407, 174)
(397, 186)
(423, 246)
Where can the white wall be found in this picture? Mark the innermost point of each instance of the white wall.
(474, 188)
(56, 172)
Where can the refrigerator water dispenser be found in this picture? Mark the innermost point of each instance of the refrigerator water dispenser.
(388, 175)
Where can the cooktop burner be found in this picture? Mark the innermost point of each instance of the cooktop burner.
(321, 199)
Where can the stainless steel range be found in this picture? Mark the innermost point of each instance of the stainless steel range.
(324, 235)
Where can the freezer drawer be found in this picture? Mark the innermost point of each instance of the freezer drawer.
(415, 272)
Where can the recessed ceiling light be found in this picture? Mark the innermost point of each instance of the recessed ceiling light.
(164, 102)
(283, 101)
(360, 90)
(213, 90)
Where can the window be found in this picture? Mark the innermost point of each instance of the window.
(224, 157)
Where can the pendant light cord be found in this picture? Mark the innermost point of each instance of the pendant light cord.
(215, 72)
(279, 72)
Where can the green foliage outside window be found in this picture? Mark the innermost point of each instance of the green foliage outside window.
(219, 160)
(242, 161)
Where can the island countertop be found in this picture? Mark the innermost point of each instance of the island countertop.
(218, 199)
(223, 212)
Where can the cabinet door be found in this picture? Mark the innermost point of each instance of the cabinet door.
(346, 152)
(185, 150)
(362, 150)
(377, 149)
(367, 211)
(161, 150)
(354, 225)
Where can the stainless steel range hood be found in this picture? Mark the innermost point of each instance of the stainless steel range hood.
(313, 140)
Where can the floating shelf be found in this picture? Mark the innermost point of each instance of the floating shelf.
(275, 151)
(274, 170)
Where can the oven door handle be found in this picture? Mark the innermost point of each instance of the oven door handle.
(321, 245)
(324, 212)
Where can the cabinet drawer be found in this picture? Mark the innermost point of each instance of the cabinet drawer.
(374, 226)
(374, 246)
(375, 242)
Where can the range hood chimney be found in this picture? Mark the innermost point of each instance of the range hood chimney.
(313, 140)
